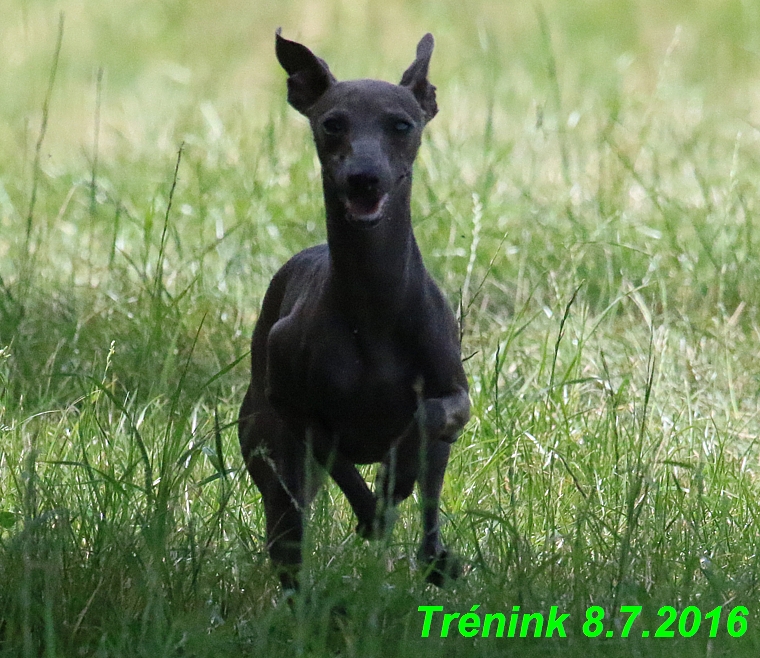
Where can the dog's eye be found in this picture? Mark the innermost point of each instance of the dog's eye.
(402, 126)
(333, 126)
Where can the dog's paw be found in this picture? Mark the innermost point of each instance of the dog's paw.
(444, 417)
(441, 568)
(368, 530)
(380, 526)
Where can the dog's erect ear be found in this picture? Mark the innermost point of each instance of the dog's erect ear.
(308, 75)
(415, 78)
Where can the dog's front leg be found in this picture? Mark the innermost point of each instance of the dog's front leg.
(441, 565)
(359, 496)
(347, 477)
(439, 422)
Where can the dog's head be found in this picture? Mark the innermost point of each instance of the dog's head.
(367, 132)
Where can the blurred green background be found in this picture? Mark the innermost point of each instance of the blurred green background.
(161, 58)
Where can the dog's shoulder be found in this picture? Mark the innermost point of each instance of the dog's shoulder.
(307, 260)
(305, 266)
(300, 277)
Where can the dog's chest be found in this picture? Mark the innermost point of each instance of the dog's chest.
(357, 380)
(360, 368)
(364, 389)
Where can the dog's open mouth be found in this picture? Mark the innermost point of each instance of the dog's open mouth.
(366, 207)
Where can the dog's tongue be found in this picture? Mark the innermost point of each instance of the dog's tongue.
(365, 205)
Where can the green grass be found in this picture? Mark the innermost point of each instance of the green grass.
(587, 196)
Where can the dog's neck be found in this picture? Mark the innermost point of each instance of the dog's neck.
(373, 267)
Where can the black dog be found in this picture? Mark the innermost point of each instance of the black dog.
(355, 357)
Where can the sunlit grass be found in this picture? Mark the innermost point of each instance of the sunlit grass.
(586, 196)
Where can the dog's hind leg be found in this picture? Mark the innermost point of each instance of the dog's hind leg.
(284, 517)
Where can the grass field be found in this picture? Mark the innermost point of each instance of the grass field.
(588, 197)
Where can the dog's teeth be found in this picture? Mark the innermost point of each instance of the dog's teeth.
(356, 210)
